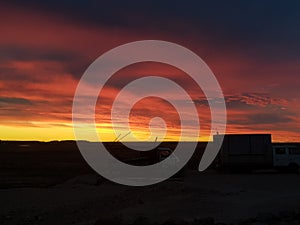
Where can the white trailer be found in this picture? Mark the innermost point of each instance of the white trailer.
(256, 151)
(286, 156)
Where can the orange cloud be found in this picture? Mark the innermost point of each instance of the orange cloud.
(46, 54)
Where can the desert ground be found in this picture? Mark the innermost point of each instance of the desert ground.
(48, 189)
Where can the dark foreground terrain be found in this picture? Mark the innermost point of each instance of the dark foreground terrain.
(48, 185)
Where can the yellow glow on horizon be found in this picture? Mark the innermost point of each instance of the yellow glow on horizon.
(43, 131)
(38, 133)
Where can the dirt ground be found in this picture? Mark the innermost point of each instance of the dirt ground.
(51, 184)
(83, 200)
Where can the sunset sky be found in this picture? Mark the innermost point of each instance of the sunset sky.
(252, 47)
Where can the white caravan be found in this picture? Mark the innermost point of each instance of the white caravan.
(286, 156)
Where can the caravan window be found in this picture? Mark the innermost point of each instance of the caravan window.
(294, 151)
(279, 151)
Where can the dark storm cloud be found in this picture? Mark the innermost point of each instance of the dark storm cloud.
(14, 101)
(245, 100)
(261, 28)
(253, 119)
(16, 110)
(72, 62)
(21, 53)
(248, 100)
(258, 109)
(269, 118)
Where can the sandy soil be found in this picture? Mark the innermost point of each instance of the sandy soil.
(83, 200)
